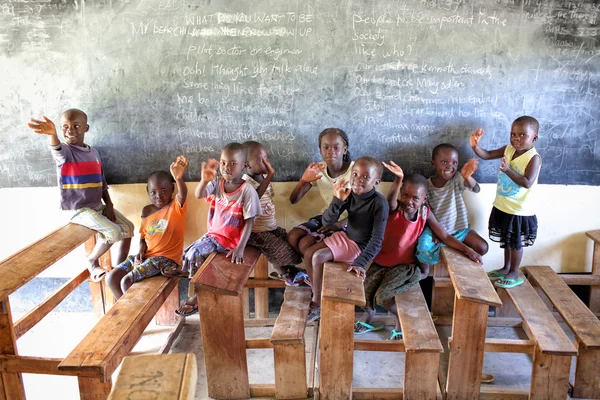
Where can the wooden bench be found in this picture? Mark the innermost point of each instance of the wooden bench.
(159, 377)
(595, 285)
(583, 323)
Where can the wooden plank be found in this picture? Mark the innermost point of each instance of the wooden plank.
(253, 322)
(549, 376)
(35, 365)
(587, 378)
(246, 301)
(594, 235)
(547, 333)
(224, 343)
(96, 288)
(259, 343)
(290, 371)
(466, 352)
(583, 323)
(165, 376)
(261, 294)
(336, 348)
(93, 388)
(312, 363)
(379, 345)
(34, 316)
(443, 283)
(262, 390)
(291, 322)
(442, 300)
(166, 313)
(509, 346)
(340, 285)
(501, 393)
(469, 278)
(377, 394)
(418, 330)
(595, 290)
(221, 276)
(26, 264)
(580, 279)
(421, 375)
(264, 283)
(507, 310)
(166, 347)
(113, 337)
(12, 383)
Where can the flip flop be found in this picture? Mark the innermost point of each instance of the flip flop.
(97, 274)
(508, 283)
(173, 272)
(396, 335)
(193, 309)
(495, 275)
(370, 328)
(487, 378)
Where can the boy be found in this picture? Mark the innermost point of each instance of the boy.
(394, 269)
(161, 233)
(358, 245)
(83, 187)
(233, 206)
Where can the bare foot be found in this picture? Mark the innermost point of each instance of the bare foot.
(424, 271)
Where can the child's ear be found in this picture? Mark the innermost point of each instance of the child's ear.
(173, 187)
(147, 189)
(87, 127)
(433, 163)
(377, 182)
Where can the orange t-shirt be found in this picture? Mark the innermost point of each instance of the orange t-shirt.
(164, 231)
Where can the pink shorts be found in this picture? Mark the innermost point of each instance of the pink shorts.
(343, 248)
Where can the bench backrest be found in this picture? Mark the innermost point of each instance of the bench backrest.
(340, 285)
(594, 235)
(291, 322)
(418, 330)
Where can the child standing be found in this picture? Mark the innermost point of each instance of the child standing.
(161, 233)
(445, 197)
(360, 243)
(394, 269)
(267, 236)
(513, 222)
(233, 206)
(83, 187)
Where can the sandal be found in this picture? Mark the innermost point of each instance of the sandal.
(173, 272)
(396, 335)
(97, 274)
(495, 275)
(506, 283)
(369, 328)
(187, 309)
(487, 378)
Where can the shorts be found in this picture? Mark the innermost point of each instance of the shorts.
(108, 231)
(273, 244)
(149, 267)
(195, 254)
(342, 247)
(428, 252)
(312, 226)
(512, 231)
(383, 283)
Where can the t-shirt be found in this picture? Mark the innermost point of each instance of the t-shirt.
(510, 197)
(80, 176)
(400, 238)
(164, 231)
(266, 221)
(227, 211)
(448, 205)
(325, 186)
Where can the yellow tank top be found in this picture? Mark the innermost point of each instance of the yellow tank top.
(510, 197)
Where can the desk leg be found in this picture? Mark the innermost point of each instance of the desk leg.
(11, 385)
(421, 375)
(93, 388)
(466, 352)
(336, 349)
(224, 342)
(549, 376)
(595, 290)
(261, 295)
(587, 378)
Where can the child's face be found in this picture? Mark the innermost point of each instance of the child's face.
(160, 191)
(522, 136)
(255, 164)
(333, 149)
(232, 164)
(445, 163)
(364, 177)
(74, 126)
(412, 197)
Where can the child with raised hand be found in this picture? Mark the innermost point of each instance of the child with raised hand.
(445, 197)
(512, 221)
(161, 233)
(361, 241)
(83, 187)
(233, 206)
(394, 269)
(336, 165)
(267, 236)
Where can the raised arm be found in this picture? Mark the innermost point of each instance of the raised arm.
(531, 172)
(392, 196)
(262, 188)
(481, 152)
(341, 191)
(449, 240)
(207, 174)
(467, 171)
(45, 127)
(178, 168)
(312, 173)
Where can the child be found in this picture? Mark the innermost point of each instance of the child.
(83, 187)
(445, 198)
(161, 233)
(358, 245)
(394, 269)
(266, 235)
(233, 206)
(333, 145)
(513, 222)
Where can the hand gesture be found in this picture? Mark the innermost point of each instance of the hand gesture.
(139, 258)
(503, 164)
(178, 167)
(341, 189)
(45, 127)
(476, 137)
(359, 271)
(237, 255)
(394, 169)
(313, 172)
(109, 212)
(469, 168)
(270, 170)
(473, 255)
(209, 170)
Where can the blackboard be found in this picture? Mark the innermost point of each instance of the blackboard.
(160, 78)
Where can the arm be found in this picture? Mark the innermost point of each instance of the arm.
(467, 171)
(312, 173)
(208, 172)
(45, 127)
(531, 172)
(109, 211)
(392, 196)
(338, 204)
(177, 169)
(141, 255)
(483, 153)
(237, 254)
(449, 240)
(262, 188)
(368, 254)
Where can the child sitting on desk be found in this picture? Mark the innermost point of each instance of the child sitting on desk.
(233, 206)
(161, 233)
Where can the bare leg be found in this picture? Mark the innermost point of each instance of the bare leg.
(294, 237)
(113, 279)
(306, 242)
(424, 271)
(99, 249)
(507, 263)
(314, 274)
(391, 307)
(515, 263)
(124, 246)
(476, 242)
(319, 258)
(366, 318)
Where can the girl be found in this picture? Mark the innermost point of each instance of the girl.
(513, 222)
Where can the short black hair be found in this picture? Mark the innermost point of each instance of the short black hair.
(530, 121)
(237, 147)
(340, 133)
(440, 147)
(161, 175)
(415, 179)
(252, 146)
(371, 161)
(75, 111)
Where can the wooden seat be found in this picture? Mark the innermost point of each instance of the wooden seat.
(583, 323)
(595, 289)
(288, 344)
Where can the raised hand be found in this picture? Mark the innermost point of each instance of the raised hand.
(394, 169)
(341, 189)
(178, 167)
(45, 127)
(475, 137)
(313, 172)
(469, 168)
(503, 164)
(270, 170)
(209, 170)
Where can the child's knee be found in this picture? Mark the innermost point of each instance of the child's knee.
(126, 282)
(295, 235)
(305, 243)
(481, 247)
(321, 256)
